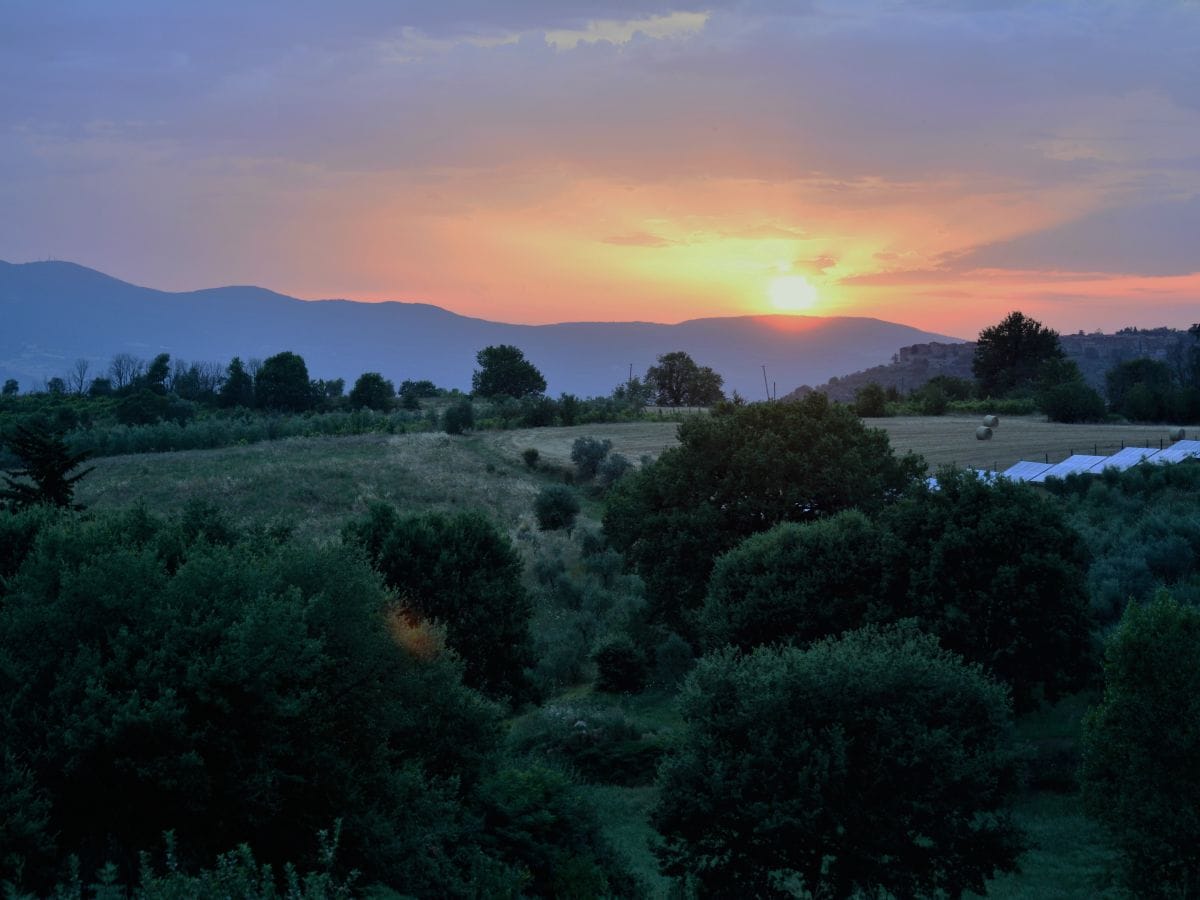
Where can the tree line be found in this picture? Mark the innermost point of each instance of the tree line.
(1019, 365)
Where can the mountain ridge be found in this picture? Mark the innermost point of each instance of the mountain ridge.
(57, 312)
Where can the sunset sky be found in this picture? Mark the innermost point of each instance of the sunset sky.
(931, 163)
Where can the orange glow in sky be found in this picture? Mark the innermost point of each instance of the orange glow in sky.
(932, 164)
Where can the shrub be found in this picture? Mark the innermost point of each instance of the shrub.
(587, 453)
(870, 401)
(1141, 743)
(620, 667)
(556, 507)
(612, 469)
(459, 418)
(530, 457)
(1072, 401)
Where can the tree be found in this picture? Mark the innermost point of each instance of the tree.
(282, 384)
(798, 583)
(678, 381)
(1071, 402)
(238, 389)
(740, 471)
(505, 372)
(48, 463)
(11, 388)
(124, 369)
(1141, 744)
(588, 453)
(870, 401)
(458, 570)
(233, 688)
(372, 391)
(999, 575)
(875, 764)
(1009, 355)
(77, 378)
(1140, 389)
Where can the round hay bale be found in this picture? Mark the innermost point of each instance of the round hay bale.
(983, 433)
(1177, 434)
(991, 421)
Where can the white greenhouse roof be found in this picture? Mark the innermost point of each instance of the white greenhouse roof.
(1072, 465)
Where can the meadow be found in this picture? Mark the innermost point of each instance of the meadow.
(317, 484)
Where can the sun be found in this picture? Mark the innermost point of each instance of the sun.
(792, 293)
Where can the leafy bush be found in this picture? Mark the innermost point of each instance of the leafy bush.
(777, 786)
(587, 453)
(620, 667)
(459, 418)
(556, 507)
(1072, 401)
(870, 401)
(1140, 777)
(612, 469)
(530, 457)
(460, 571)
(600, 744)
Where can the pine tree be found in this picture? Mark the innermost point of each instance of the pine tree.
(48, 463)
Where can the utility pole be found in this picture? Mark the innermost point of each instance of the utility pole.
(766, 387)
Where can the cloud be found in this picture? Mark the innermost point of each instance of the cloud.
(639, 239)
(1153, 239)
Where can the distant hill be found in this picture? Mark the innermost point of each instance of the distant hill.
(1094, 353)
(53, 313)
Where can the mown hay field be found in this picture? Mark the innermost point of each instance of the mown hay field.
(940, 439)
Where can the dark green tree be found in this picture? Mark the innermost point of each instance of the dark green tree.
(460, 571)
(1009, 356)
(505, 372)
(872, 765)
(678, 381)
(234, 689)
(556, 507)
(1071, 402)
(282, 384)
(1141, 745)
(1140, 389)
(798, 583)
(157, 373)
(11, 388)
(740, 471)
(459, 417)
(373, 391)
(46, 470)
(997, 572)
(870, 401)
(238, 389)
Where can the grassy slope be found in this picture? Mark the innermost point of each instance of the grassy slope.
(319, 483)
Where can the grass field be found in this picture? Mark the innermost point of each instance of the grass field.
(940, 439)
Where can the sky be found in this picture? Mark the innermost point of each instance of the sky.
(929, 162)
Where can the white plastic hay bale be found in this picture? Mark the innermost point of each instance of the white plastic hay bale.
(983, 433)
(991, 421)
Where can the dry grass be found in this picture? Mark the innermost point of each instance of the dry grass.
(951, 439)
(940, 439)
(634, 439)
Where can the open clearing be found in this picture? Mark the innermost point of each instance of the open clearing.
(940, 439)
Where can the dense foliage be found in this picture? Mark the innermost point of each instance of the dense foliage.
(460, 571)
(1141, 747)
(740, 471)
(995, 571)
(873, 763)
(234, 688)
